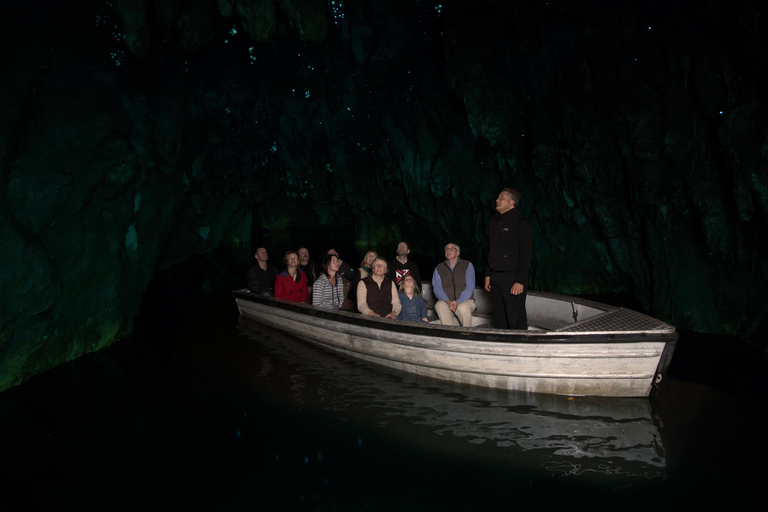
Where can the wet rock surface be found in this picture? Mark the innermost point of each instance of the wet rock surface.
(137, 135)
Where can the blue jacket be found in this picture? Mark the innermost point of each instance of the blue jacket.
(413, 309)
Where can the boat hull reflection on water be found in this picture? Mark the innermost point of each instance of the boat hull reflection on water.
(573, 347)
(564, 435)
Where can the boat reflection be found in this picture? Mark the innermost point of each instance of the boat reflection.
(563, 435)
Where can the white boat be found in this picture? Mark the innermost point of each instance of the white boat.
(573, 346)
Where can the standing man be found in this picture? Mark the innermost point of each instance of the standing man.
(261, 276)
(453, 283)
(510, 240)
(401, 266)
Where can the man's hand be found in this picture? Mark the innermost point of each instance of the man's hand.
(487, 284)
(517, 289)
(452, 305)
(392, 315)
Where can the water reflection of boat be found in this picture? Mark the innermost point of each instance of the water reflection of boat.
(566, 435)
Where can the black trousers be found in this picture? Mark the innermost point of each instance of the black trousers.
(508, 310)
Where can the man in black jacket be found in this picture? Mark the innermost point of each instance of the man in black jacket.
(261, 276)
(401, 266)
(510, 240)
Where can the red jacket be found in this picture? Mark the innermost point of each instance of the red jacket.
(287, 288)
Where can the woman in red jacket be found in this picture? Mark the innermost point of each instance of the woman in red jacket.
(291, 283)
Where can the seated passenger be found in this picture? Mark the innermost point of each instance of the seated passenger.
(401, 266)
(308, 267)
(261, 276)
(345, 269)
(453, 283)
(376, 294)
(329, 286)
(291, 283)
(366, 266)
(414, 307)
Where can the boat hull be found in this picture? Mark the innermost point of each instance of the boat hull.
(566, 363)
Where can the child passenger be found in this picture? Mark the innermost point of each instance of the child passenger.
(414, 308)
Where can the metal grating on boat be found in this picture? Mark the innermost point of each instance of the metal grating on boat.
(618, 320)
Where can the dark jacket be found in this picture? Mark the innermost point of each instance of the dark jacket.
(510, 240)
(262, 281)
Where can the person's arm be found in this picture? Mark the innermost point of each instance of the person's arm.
(320, 296)
(396, 306)
(437, 287)
(469, 278)
(525, 243)
(362, 299)
(303, 289)
(280, 291)
(253, 281)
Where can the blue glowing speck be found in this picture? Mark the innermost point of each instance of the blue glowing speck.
(721, 112)
(359, 441)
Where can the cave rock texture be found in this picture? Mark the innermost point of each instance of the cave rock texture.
(136, 134)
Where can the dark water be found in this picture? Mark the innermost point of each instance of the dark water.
(236, 416)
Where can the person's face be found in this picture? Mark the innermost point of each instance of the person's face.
(402, 249)
(504, 202)
(304, 255)
(334, 264)
(409, 284)
(261, 254)
(293, 260)
(369, 257)
(451, 252)
(379, 268)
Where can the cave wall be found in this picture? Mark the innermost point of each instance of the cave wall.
(138, 133)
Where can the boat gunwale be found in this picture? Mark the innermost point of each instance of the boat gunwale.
(665, 334)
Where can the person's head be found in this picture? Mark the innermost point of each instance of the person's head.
(333, 251)
(330, 264)
(379, 267)
(261, 254)
(452, 251)
(409, 282)
(368, 259)
(303, 255)
(508, 198)
(403, 249)
(291, 259)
